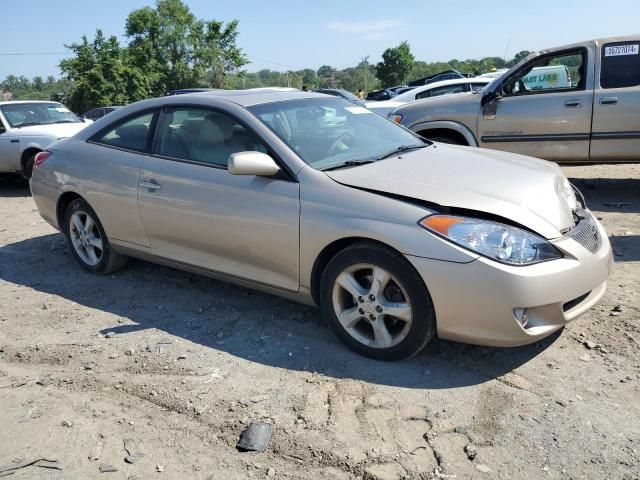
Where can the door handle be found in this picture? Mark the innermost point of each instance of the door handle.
(572, 104)
(608, 100)
(151, 185)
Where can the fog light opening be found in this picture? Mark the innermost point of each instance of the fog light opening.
(521, 316)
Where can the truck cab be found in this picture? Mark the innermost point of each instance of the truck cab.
(580, 102)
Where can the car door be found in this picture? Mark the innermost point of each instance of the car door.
(9, 149)
(616, 110)
(115, 154)
(196, 213)
(549, 118)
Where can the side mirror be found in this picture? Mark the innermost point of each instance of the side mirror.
(252, 163)
(491, 95)
(2, 130)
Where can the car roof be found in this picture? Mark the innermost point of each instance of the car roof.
(15, 102)
(247, 98)
(443, 83)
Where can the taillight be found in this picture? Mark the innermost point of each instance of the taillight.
(40, 158)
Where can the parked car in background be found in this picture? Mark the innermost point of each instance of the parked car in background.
(28, 127)
(99, 112)
(321, 201)
(338, 92)
(182, 91)
(379, 95)
(578, 102)
(403, 89)
(436, 89)
(495, 73)
(437, 77)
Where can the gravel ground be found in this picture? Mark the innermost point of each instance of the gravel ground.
(173, 367)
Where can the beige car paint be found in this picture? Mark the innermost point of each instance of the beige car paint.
(506, 122)
(269, 232)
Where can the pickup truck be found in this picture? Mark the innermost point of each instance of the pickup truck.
(592, 117)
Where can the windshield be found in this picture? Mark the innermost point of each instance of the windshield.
(329, 132)
(26, 114)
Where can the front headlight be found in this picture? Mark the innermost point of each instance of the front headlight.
(497, 241)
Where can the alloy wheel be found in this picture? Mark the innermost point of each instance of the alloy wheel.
(85, 237)
(372, 306)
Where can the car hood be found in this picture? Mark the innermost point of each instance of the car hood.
(442, 104)
(531, 192)
(58, 130)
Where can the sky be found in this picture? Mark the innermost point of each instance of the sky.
(290, 35)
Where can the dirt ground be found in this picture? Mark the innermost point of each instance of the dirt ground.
(174, 366)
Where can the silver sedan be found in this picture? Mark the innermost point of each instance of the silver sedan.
(311, 197)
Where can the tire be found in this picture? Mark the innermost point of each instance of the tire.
(403, 292)
(104, 259)
(27, 168)
(449, 140)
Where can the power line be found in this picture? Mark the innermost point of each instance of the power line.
(274, 63)
(17, 54)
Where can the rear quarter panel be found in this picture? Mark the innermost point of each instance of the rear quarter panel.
(106, 178)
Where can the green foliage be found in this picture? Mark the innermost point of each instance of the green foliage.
(101, 75)
(176, 50)
(36, 89)
(169, 48)
(395, 66)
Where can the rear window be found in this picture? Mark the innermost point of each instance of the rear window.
(620, 65)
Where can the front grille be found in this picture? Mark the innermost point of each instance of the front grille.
(586, 233)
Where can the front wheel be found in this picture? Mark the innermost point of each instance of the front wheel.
(88, 242)
(376, 302)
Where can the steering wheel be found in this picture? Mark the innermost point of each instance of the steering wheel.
(339, 140)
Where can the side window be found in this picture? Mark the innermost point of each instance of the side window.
(620, 65)
(449, 89)
(476, 87)
(564, 71)
(132, 134)
(204, 135)
(425, 94)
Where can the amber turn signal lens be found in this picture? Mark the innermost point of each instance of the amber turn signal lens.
(440, 223)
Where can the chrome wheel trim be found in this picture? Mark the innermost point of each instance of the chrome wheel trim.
(85, 238)
(362, 307)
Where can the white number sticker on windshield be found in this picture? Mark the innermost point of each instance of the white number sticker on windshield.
(357, 110)
(62, 110)
(617, 50)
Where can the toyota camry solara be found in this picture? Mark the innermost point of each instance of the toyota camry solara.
(396, 238)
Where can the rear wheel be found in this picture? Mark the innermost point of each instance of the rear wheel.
(88, 242)
(376, 302)
(27, 165)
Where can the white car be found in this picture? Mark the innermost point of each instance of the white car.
(28, 127)
(445, 87)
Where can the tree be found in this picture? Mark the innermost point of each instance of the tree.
(177, 50)
(518, 56)
(101, 74)
(396, 65)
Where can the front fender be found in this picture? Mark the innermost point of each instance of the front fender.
(447, 125)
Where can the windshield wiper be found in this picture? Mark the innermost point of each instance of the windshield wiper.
(348, 163)
(61, 121)
(400, 149)
(28, 124)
